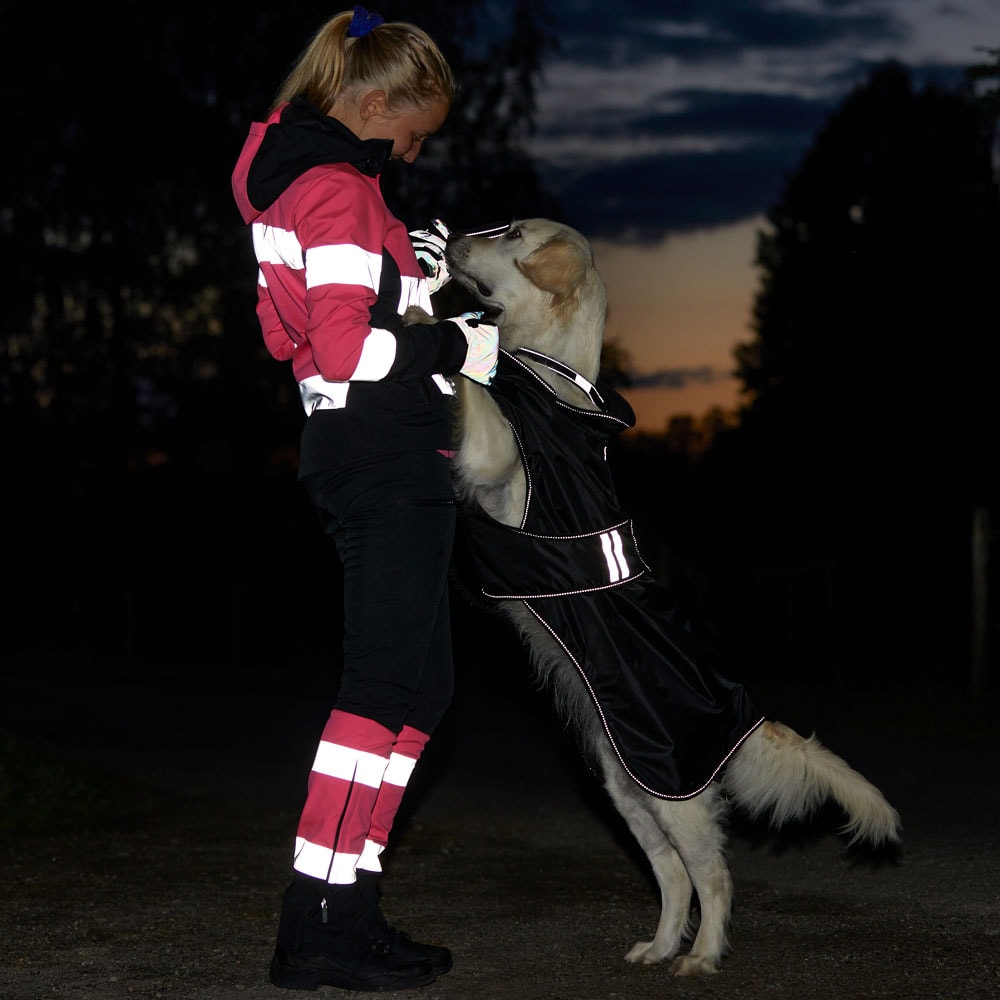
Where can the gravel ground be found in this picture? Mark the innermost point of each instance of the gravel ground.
(506, 851)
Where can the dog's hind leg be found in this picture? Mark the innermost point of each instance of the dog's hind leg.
(668, 868)
(695, 828)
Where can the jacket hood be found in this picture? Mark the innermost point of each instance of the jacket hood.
(294, 139)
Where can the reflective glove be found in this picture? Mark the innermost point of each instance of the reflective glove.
(484, 342)
(428, 245)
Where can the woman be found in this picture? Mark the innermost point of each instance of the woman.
(337, 270)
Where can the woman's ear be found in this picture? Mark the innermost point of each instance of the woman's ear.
(372, 105)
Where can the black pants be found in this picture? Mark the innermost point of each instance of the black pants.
(392, 517)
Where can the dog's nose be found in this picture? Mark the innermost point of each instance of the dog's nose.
(490, 232)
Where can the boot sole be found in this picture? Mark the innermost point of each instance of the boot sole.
(440, 963)
(291, 977)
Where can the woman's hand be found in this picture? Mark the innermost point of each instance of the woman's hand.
(429, 246)
(484, 343)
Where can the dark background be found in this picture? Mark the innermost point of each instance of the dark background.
(155, 530)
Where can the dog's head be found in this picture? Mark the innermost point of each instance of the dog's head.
(539, 278)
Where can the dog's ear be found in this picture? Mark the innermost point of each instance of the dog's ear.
(558, 266)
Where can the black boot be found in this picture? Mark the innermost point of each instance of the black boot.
(401, 943)
(323, 941)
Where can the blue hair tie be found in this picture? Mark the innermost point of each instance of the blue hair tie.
(363, 22)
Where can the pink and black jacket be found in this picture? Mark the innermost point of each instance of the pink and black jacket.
(337, 269)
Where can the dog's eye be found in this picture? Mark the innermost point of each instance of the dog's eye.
(512, 234)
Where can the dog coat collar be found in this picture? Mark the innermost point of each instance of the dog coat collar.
(570, 374)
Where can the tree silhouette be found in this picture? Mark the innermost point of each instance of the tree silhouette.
(989, 96)
(875, 322)
(141, 412)
(129, 328)
(839, 512)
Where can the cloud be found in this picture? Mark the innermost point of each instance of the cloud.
(716, 29)
(653, 122)
(719, 158)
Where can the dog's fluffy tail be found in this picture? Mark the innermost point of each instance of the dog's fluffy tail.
(778, 772)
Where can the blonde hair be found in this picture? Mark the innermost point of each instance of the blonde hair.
(397, 58)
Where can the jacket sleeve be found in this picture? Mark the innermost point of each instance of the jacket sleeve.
(275, 334)
(354, 327)
(428, 349)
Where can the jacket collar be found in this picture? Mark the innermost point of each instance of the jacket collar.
(303, 137)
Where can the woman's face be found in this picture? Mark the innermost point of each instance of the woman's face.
(407, 130)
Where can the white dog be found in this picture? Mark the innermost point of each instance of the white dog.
(543, 541)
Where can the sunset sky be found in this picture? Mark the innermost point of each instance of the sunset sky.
(667, 130)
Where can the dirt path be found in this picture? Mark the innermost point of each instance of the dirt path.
(507, 852)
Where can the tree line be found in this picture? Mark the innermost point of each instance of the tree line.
(152, 441)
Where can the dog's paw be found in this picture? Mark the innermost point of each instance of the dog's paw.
(645, 953)
(691, 965)
(415, 314)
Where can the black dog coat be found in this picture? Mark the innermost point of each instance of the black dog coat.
(671, 718)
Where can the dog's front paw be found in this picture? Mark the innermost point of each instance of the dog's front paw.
(416, 314)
